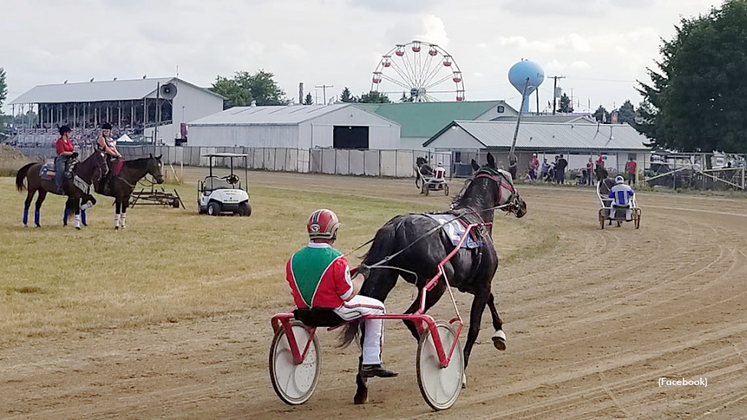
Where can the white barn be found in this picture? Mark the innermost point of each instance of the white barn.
(339, 126)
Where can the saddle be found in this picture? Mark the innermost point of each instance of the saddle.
(456, 229)
(47, 171)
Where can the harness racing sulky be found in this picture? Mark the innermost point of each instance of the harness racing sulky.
(429, 179)
(610, 212)
(434, 252)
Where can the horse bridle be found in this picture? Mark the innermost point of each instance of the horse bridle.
(513, 203)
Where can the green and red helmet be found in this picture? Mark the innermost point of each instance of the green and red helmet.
(323, 224)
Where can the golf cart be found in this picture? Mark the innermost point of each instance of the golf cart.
(216, 195)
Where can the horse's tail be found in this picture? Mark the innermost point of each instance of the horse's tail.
(22, 174)
(349, 332)
(381, 248)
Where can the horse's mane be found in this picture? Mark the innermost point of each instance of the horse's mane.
(459, 199)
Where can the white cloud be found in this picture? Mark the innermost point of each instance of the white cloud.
(434, 31)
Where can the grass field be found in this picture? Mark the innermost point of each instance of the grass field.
(169, 264)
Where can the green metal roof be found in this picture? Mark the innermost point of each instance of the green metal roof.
(424, 119)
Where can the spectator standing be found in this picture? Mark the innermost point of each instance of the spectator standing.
(533, 166)
(630, 169)
(560, 170)
(589, 171)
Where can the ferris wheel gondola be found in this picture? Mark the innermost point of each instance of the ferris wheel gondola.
(423, 72)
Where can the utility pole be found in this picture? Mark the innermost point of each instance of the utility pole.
(555, 92)
(324, 91)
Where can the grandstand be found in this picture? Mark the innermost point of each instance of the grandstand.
(147, 110)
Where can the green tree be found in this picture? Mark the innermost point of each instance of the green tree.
(697, 95)
(244, 88)
(345, 96)
(375, 97)
(601, 115)
(308, 100)
(565, 104)
(626, 113)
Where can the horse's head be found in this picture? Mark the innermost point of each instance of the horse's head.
(420, 161)
(155, 168)
(504, 193)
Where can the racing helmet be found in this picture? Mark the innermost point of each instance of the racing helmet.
(619, 179)
(323, 224)
(440, 165)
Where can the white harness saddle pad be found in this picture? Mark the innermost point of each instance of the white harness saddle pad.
(455, 229)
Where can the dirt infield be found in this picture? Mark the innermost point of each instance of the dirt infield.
(594, 318)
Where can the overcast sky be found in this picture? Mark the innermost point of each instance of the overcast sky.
(601, 46)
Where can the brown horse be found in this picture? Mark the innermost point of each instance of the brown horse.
(120, 186)
(90, 171)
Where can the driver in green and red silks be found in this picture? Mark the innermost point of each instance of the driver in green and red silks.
(319, 277)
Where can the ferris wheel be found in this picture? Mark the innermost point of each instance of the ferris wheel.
(423, 72)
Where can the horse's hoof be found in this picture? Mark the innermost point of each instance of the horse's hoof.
(464, 380)
(38, 226)
(77, 228)
(361, 397)
(499, 340)
(116, 227)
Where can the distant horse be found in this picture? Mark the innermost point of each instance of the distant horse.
(424, 171)
(90, 171)
(425, 246)
(121, 184)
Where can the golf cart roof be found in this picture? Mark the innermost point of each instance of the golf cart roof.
(225, 155)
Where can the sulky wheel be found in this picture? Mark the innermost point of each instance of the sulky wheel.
(294, 383)
(440, 386)
(601, 218)
(446, 189)
(427, 189)
(638, 219)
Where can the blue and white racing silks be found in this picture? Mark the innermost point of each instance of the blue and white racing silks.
(621, 195)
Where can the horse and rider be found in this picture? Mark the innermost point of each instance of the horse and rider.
(103, 172)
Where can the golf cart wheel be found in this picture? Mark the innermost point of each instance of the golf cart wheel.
(214, 208)
(245, 209)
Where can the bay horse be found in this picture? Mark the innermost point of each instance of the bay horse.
(90, 171)
(412, 245)
(121, 185)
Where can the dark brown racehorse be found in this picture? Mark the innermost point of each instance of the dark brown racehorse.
(412, 245)
(120, 186)
(90, 171)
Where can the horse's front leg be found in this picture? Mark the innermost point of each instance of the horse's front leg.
(499, 337)
(125, 203)
(117, 209)
(75, 204)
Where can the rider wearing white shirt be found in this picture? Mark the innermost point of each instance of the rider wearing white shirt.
(621, 195)
(439, 172)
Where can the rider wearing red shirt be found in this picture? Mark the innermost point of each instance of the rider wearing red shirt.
(319, 276)
(65, 149)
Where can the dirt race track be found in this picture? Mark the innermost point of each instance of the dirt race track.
(594, 319)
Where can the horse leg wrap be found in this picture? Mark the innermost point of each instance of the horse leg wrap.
(65, 216)
(87, 205)
(116, 221)
(77, 221)
(25, 216)
(37, 216)
(83, 218)
(122, 218)
(499, 340)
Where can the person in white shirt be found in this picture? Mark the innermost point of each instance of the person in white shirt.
(439, 173)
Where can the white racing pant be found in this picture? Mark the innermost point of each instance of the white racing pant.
(358, 307)
(628, 212)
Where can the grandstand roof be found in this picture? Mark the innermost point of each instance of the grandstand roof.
(111, 90)
(268, 115)
(542, 136)
(424, 119)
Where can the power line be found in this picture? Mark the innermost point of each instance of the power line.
(555, 91)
